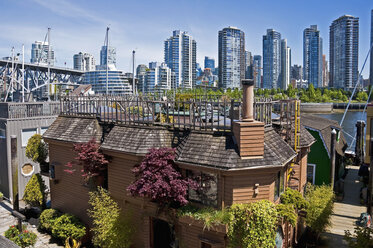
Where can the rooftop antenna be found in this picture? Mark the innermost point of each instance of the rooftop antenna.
(106, 43)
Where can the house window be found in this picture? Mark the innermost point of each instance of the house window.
(2, 134)
(43, 129)
(311, 169)
(205, 245)
(207, 192)
(279, 184)
(26, 135)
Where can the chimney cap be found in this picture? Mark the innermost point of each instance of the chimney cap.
(248, 82)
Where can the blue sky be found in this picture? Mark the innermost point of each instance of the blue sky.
(144, 25)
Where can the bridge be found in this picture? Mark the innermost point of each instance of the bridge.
(36, 77)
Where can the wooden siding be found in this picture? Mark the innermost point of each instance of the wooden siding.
(67, 191)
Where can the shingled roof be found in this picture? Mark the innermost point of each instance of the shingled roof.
(325, 126)
(138, 140)
(74, 129)
(220, 151)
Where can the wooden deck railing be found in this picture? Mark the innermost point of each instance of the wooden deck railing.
(15, 110)
(200, 114)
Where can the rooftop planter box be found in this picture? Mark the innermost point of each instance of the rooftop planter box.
(218, 227)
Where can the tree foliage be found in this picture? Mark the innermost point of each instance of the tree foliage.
(253, 225)
(35, 191)
(363, 237)
(295, 198)
(158, 178)
(110, 227)
(90, 157)
(68, 226)
(22, 239)
(36, 149)
(47, 219)
(320, 207)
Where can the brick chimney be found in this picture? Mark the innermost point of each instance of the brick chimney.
(249, 133)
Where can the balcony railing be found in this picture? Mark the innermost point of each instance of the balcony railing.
(196, 114)
(14, 110)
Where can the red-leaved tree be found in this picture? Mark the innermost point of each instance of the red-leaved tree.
(158, 178)
(90, 157)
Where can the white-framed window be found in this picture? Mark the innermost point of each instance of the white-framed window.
(311, 172)
(27, 134)
(2, 133)
(43, 129)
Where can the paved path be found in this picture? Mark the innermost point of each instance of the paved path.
(347, 212)
(7, 219)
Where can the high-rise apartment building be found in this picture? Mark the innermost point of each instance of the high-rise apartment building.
(325, 71)
(42, 53)
(371, 55)
(209, 63)
(231, 57)
(257, 71)
(158, 77)
(296, 72)
(312, 56)
(111, 58)
(285, 64)
(248, 65)
(344, 52)
(84, 62)
(140, 75)
(272, 59)
(180, 55)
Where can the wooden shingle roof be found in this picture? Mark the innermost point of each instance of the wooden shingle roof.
(74, 129)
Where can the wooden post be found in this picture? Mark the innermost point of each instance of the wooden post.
(359, 147)
(14, 166)
(332, 158)
(370, 183)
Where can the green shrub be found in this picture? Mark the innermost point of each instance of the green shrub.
(36, 149)
(253, 225)
(287, 212)
(35, 191)
(363, 237)
(22, 239)
(47, 219)
(1, 195)
(67, 226)
(320, 207)
(110, 227)
(295, 198)
(209, 216)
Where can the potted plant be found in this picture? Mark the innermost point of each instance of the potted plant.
(37, 151)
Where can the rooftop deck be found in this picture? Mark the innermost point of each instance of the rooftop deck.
(15, 110)
(214, 114)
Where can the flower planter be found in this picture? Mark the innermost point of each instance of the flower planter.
(221, 228)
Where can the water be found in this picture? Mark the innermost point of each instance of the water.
(349, 123)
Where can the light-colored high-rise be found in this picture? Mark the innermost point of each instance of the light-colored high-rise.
(231, 57)
(257, 71)
(285, 64)
(41, 53)
(158, 77)
(180, 54)
(344, 52)
(325, 71)
(272, 60)
(312, 56)
(84, 62)
(111, 59)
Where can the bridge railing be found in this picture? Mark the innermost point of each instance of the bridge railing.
(13, 110)
(195, 114)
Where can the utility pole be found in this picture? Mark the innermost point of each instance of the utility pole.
(107, 60)
(23, 73)
(133, 73)
(49, 64)
(332, 158)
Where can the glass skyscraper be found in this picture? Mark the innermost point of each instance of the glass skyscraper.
(180, 54)
(112, 58)
(285, 64)
(272, 60)
(41, 53)
(257, 71)
(231, 57)
(312, 56)
(344, 52)
(248, 65)
(209, 63)
(158, 78)
(117, 82)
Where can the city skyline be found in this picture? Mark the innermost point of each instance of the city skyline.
(77, 27)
